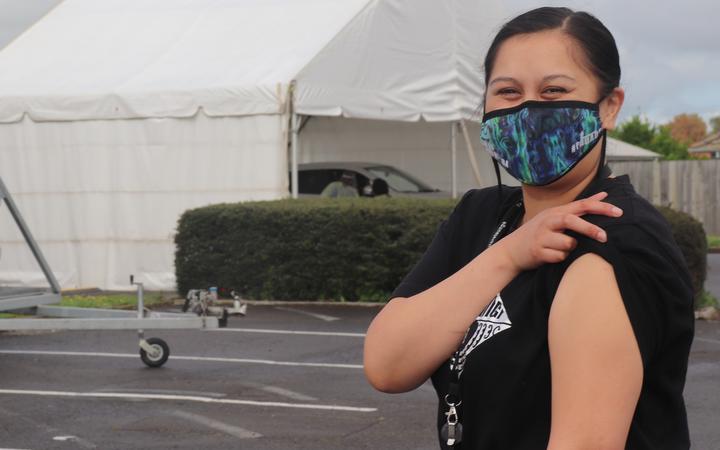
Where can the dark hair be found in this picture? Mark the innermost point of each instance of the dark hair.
(592, 36)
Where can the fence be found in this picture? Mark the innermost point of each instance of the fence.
(691, 186)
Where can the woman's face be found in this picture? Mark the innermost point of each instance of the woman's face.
(549, 66)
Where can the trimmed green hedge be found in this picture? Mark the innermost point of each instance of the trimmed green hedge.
(339, 249)
(690, 237)
(306, 249)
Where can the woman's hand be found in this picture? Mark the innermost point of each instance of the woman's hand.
(542, 239)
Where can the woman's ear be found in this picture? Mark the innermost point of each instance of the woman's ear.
(610, 108)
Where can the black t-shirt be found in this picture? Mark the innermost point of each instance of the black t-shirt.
(505, 383)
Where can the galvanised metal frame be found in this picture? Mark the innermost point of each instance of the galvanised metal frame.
(65, 318)
(24, 299)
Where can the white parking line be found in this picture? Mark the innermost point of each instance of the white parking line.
(79, 441)
(308, 313)
(183, 358)
(185, 398)
(232, 430)
(165, 391)
(283, 392)
(270, 331)
(712, 341)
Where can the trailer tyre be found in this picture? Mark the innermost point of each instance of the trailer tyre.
(161, 355)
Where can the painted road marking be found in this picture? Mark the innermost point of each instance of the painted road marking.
(76, 440)
(308, 313)
(704, 368)
(44, 428)
(165, 391)
(310, 333)
(184, 358)
(232, 430)
(184, 398)
(263, 387)
(283, 392)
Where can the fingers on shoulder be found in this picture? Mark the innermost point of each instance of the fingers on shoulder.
(574, 223)
(593, 205)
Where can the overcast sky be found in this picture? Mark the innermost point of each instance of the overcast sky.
(669, 49)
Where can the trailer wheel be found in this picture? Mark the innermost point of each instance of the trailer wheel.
(161, 355)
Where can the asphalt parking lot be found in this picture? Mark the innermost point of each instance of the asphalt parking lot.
(712, 283)
(285, 377)
(269, 389)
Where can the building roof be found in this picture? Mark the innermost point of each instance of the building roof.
(709, 144)
(618, 150)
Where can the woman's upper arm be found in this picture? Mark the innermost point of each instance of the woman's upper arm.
(597, 370)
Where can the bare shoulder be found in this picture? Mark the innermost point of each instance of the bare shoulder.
(596, 365)
(589, 296)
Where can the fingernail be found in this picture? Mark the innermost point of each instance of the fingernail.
(617, 211)
(602, 236)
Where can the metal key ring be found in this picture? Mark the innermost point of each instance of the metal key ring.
(449, 403)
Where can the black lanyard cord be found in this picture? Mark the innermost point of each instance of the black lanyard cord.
(452, 430)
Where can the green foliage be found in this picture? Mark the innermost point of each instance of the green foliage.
(339, 249)
(690, 237)
(111, 301)
(635, 131)
(663, 143)
(706, 299)
(306, 249)
(713, 241)
(640, 132)
(715, 124)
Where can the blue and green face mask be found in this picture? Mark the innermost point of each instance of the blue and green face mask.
(538, 142)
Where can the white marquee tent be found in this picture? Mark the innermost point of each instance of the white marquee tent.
(118, 115)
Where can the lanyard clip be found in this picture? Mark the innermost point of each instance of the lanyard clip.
(451, 431)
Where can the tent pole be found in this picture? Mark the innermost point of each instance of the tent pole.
(294, 156)
(453, 148)
(471, 154)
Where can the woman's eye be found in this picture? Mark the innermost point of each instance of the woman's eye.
(507, 91)
(554, 90)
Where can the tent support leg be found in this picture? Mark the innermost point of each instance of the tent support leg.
(294, 155)
(453, 151)
(29, 239)
(471, 154)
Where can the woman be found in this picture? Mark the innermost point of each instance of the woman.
(572, 329)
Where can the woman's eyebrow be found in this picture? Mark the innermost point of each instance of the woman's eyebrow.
(556, 76)
(499, 79)
(544, 80)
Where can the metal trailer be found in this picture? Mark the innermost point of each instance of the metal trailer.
(154, 352)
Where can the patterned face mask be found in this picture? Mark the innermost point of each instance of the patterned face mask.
(538, 142)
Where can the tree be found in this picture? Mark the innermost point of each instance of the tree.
(664, 144)
(659, 139)
(715, 124)
(636, 131)
(688, 128)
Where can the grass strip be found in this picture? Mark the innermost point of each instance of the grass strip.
(713, 241)
(113, 301)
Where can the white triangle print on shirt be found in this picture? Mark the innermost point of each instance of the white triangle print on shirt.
(491, 321)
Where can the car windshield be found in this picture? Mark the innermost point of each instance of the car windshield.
(399, 181)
